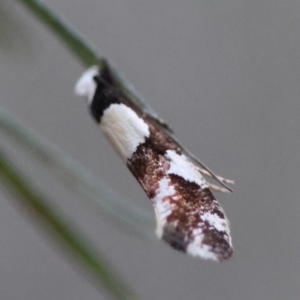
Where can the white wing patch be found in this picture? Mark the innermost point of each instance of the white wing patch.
(215, 221)
(181, 166)
(124, 129)
(162, 204)
(197, 248)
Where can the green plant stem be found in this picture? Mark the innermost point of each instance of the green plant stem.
(27, 196)
(76, 176)
(75, 43)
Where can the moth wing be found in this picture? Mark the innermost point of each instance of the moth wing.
(202, 168)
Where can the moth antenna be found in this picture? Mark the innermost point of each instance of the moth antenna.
(223, 179)
(217, 188)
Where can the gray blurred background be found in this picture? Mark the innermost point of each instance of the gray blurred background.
(226, 75)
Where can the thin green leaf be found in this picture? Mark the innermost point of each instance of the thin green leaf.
(95, 262)
(84, 52)
(76, 176)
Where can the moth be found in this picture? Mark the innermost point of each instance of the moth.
(188, 216)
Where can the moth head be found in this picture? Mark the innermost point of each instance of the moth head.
(86, 84)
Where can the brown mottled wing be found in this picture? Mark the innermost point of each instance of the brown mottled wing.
(189, 217)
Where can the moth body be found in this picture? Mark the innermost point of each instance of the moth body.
(189, 218)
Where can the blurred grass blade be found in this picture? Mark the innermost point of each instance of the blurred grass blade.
(26, 195)
(83, 51)
(67, 35)
(77, 177)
